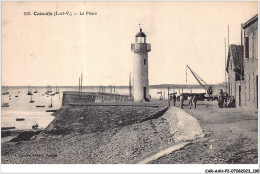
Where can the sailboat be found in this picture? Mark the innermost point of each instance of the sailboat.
(31, 100)
(48, 90)
(57, 90)
(50, 106)
(5, 92)
(29, 91)
(35, 126)
(35, 91)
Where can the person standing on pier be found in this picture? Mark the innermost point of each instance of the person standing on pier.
(194, 100)
(221, 99)
(190, 100)
(174, 99)
(181, 100)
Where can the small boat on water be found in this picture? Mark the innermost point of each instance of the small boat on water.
(7, 128)
(40, 106)
(5, 92)
(48, 90)
(57, 90)
(50, 106)
(29, 91)
(35, 126)
(20, 119)
(5, 105)
(51, 110)
(31, 101)
(35, 91)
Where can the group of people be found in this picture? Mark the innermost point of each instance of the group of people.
(226, 101)
(192, 100)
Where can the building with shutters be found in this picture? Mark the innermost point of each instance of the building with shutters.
(242, 67)
(250, 63)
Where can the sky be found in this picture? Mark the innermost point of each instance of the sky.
(55, 50)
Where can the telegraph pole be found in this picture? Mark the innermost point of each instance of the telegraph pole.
(225, 64)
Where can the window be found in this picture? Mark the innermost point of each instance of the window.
(144, 61)
(140, 39)
(247, 47)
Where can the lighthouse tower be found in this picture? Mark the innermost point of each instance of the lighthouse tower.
(140, 63)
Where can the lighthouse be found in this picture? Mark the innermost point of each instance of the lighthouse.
(140, 67)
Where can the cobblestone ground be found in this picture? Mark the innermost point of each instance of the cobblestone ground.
(231, 137)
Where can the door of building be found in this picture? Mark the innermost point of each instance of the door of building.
(144, 92)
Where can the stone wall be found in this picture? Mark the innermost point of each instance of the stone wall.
(71, 97)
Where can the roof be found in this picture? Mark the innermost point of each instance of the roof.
(140, 34)
(236, 54)
(250, 21)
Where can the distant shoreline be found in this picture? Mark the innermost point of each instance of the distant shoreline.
(108, 86)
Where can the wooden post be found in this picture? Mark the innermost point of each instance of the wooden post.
(81, 82)
(163, 94)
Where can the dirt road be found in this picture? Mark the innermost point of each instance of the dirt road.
(231, 137)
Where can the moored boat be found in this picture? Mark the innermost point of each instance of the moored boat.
(35, 126)
(5, 105)
(40, 106)
(20, 119)
(31, 101)
(50, 106)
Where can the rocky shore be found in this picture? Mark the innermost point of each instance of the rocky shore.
(129, 143)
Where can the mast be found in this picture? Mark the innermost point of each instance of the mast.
(81, 81)
(79, 85)
(225, 61)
